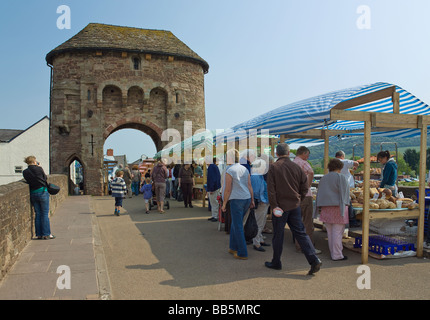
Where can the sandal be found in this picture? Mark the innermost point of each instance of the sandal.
(48, 237)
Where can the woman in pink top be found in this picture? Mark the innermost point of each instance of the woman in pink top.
(332, 185)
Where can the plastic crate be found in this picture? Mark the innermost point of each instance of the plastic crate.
(385, 245)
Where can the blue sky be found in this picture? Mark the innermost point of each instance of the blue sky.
(262, 54)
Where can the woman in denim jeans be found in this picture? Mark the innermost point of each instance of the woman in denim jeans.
(39, 197)
(238, 191)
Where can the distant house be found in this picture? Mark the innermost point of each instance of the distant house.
(121, 161)
(15, 145)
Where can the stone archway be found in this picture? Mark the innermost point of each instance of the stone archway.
(68, 164)
(97, 90)
(137, 123)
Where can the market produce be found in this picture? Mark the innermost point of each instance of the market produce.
(372, 183)
(380, 198)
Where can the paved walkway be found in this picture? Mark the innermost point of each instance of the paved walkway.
(75, 252)
(182, 256)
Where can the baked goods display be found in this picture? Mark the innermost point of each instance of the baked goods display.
(372, 183)
(373, 171)
(380, 198)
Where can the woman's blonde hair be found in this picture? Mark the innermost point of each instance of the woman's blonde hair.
(233, 156)
(29, 160)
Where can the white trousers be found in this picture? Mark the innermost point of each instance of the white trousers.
(334, 236)
(214, 203)
(261, 217)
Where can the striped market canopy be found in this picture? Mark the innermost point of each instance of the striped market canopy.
(314, 113)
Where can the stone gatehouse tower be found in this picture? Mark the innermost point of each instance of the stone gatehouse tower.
(108, 78)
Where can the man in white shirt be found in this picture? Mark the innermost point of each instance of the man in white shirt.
(347, 164)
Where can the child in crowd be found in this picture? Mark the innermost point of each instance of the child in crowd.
(147, 193)
(119, 189)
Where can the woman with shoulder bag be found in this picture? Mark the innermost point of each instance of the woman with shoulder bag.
(159, 176)
(39, 197)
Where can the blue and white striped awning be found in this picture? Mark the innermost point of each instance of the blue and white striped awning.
(314, 113)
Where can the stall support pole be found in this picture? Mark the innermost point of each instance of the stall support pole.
(422, 190)
(366, 194)
(272, 147)
(205, 170)
(326, 150)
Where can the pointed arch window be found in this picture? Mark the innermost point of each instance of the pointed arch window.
(136, 63)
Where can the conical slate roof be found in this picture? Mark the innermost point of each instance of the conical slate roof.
(96, 36)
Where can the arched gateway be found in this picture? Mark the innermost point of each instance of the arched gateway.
(108, 78)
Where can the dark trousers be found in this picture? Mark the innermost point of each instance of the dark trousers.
(40, 202)
(187, 192)
(294, 220)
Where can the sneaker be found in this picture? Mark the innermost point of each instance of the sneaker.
(426, 245)
(260, 248)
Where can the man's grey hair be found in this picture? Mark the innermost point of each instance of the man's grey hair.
(339, 154)
(282, 149)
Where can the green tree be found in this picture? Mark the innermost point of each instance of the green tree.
(412, 158)
(403, 166)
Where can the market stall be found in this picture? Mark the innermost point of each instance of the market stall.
(386, 120)
(214, 144)
(145, 165)
(378, 109)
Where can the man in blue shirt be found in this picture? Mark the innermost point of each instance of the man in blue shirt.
(259, 187)
(213, 189)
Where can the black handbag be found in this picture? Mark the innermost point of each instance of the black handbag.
(251, 227)
(53, 189)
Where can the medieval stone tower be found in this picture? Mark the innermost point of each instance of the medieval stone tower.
(108, 78)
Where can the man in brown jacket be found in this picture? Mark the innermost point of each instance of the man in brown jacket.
(287, 185)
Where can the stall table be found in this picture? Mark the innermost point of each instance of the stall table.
(390, 213)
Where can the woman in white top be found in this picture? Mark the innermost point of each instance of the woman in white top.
(238, 190)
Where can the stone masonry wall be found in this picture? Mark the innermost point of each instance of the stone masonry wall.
(17, 218)
(96, 94)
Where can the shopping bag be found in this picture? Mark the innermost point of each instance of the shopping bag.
(251, 227)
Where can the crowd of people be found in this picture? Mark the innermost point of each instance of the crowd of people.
(283, 190)
(171, 181)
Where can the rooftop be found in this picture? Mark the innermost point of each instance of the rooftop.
(96, 36)
(7, 135)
